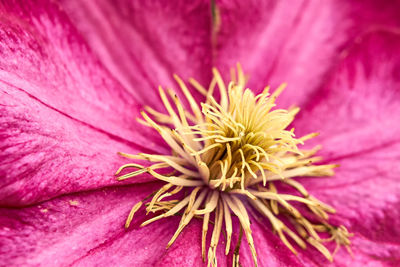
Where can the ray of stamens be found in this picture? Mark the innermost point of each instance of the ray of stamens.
(281, 197)
(171, 212)
(221, 175)
(293, 112)
(211, 204)
(276, 224)
(168, 138)
(261, 169)
(217, 138)
(211, 89)
(244, 221)
(278, 91)
(321, 248)
(307, 137)
(206, 219)
(185, 123)
(160, 117)
(157, 157)
(186, 219)
(176, 180)
(206, 149)
(222, 89)
(236, 256)
(193, 104)
(303, 191)
(168, 194)
(204, 132)
(174, 162)
(217, 229)
(179, 122)
(311, 152)
(176, 121)
(241, 76)
(290, 162)
(232, 72)
(228, 226)
(130, 165)
(273, 203)
(308, 226)
(212, 116)
(192, 199)
(132, 213)
(311, 171)
(131, 174)
(198, 86)
(155, 197)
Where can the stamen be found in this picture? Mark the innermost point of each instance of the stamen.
(228, 156)
(228, 226)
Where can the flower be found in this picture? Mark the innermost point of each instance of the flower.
(227, 157)
(75, 75)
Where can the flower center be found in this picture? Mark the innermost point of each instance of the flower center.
(231, 157)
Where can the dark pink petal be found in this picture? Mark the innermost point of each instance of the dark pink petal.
(143, 43)
(357, 113)
(45, 152)
(87, 229)
(43, 55)
(297, 42)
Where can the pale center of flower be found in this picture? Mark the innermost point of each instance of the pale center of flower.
(239, 145)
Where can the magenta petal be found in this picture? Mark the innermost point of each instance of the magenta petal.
(85, 229)
(45, 153)
(357, 114)
(186, 251)
(143, 43)
(296, 42)
(43, 55)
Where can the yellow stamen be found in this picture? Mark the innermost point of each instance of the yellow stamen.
(239, 145)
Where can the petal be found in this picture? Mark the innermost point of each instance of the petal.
(87, 229)
(45, 153)
(143, 43)
(43, 55)
(357, 114)
(367, 251)
(297, 42)
(70, 229)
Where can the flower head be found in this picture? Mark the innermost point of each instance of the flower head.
(227, 156)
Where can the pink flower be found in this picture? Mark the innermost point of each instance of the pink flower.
(74, 76)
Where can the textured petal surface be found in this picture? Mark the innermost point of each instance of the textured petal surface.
(45, 153)
(86, 229)
(357, 114)
(143, 42)
(297, 42)
(63, 117)
(43, 55)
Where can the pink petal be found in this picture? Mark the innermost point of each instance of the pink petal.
(45, 153)
(297, 42)
(143, 43)
(85, 229)
(357, 114)
(43, 55)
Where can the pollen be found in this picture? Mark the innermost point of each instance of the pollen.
(231, 155)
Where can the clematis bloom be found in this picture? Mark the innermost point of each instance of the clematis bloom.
(227, 156)
(73, 80)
